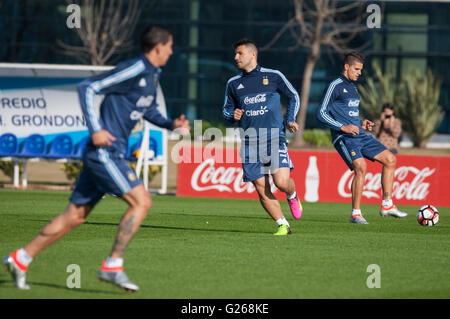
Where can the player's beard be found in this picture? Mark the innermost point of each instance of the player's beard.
(243, 66)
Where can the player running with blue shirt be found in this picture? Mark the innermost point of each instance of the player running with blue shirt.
(252, 98)
(339, 110)
(130, 94)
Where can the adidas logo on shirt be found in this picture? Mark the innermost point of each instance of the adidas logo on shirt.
(240, 86)
(142, 82)
(345, 91)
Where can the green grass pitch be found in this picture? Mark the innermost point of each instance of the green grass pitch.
(223, 248)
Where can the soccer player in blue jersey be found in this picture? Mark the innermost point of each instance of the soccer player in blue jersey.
(339, 110)
(130, 94)
(252, 99)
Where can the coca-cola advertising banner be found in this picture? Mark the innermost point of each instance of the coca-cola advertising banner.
(319, 176)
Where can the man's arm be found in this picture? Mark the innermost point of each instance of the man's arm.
(397, 128)
(286, 88)
(323, 112)
(229, 106)
(155, 117)
(324, 116)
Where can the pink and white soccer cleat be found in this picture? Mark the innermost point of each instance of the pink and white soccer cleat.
(296, 207)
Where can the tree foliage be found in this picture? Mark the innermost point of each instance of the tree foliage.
(107, 28)
(316, 25)
(418, 105)
(378, 90)
(415, 98)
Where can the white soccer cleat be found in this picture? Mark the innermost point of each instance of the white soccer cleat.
(392, 211)
(117, 277)
(18, 271)
(358, 219)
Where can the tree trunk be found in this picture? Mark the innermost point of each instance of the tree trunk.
(420, 142)
(304, 97)
(313, 56)
(93, 55)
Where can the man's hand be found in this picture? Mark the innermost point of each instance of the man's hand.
(102, 138)
(292, 126)
(238, 114)
(387, 120)
(367, 125)
(181, 125)
(351, 129)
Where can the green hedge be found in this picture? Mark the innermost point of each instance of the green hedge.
(318, 137)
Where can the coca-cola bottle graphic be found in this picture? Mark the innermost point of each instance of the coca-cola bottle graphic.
(312, 181)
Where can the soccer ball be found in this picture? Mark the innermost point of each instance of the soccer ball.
(428, 215)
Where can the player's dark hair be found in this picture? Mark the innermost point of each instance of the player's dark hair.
(248, 43)
(352, 57)
(387, 106)
(152, 36)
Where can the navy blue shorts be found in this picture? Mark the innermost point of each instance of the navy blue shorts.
(352, 148)
(102, 173)
(256, 166)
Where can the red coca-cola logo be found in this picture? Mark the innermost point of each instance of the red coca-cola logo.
(417, 179)
(409, 183)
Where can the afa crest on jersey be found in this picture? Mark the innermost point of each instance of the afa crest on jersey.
(265, 80)
(131, 176)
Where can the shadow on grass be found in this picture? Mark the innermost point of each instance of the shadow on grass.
(212, 215)
(167, 227)
(322, 220)
(183, 228)
(42, 284)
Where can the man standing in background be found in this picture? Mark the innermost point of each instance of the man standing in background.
(388, 128)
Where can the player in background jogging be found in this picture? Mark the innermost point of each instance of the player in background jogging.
(252, 99)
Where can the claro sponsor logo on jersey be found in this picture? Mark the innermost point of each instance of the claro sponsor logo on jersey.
(255, 99)
(263, 110)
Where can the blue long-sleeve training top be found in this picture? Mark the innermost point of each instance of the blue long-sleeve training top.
(340, 106)
(258, 94)
(130, 94)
